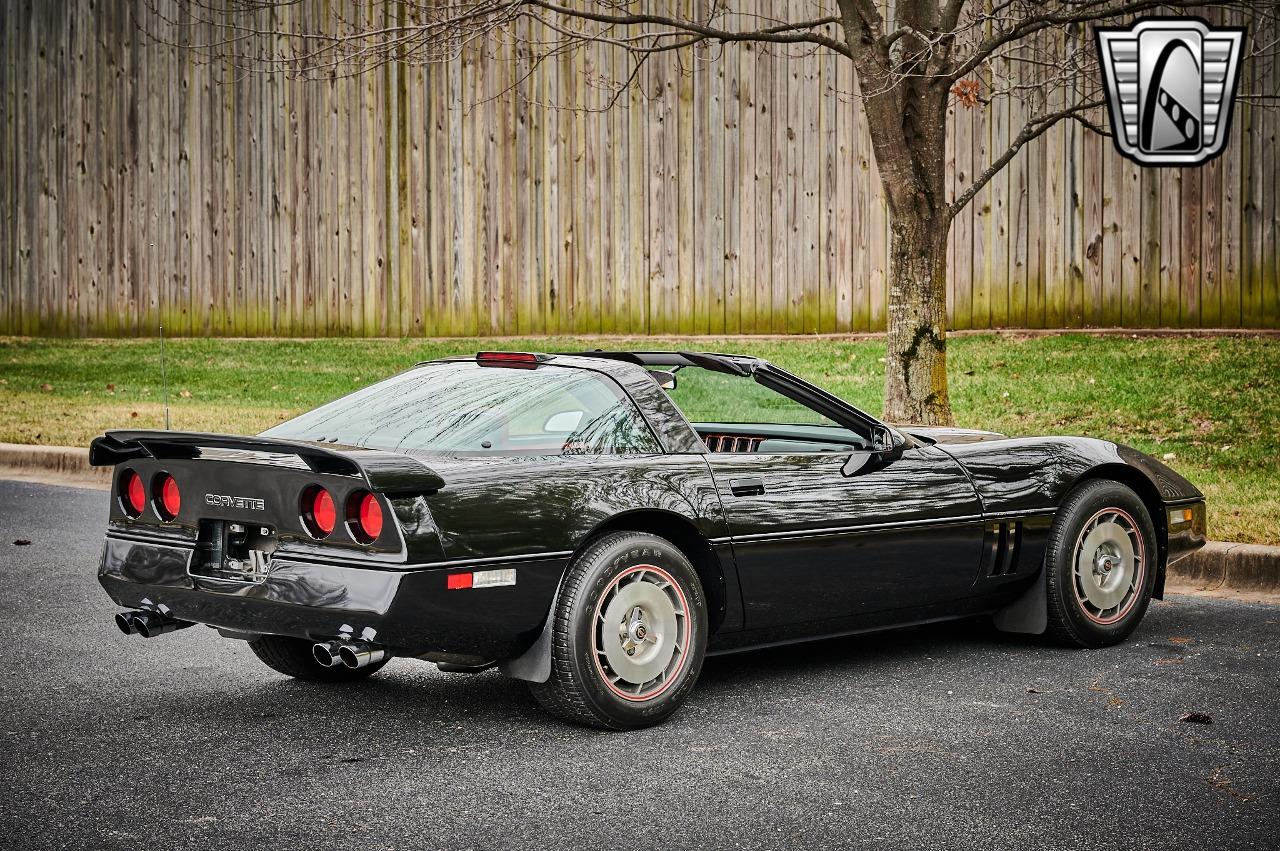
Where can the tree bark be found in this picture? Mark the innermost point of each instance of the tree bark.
(915, 377)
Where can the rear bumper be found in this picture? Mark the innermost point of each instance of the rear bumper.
(411, 611)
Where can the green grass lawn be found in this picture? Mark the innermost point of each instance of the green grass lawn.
(1207, 406)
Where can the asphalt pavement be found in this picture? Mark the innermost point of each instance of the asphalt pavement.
(950, 736)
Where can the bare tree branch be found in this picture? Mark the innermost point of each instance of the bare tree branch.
(1033, 129)
(1091, 10)
(782, 34)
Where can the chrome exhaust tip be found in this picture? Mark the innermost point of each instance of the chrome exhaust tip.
(326, 653)
(358, 654)
(148, 624)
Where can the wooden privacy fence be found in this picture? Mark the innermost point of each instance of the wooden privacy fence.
(731, 192)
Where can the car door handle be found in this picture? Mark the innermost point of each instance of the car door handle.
(746, 487)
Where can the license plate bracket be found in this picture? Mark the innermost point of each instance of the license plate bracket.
(236, 551)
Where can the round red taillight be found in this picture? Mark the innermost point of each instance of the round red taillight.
(168, 497)
(364, 516)
(318, 512)
(133, 495)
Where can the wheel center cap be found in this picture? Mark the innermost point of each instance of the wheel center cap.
(634, 629)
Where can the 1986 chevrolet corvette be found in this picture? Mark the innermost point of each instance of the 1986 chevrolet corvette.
(595, 524)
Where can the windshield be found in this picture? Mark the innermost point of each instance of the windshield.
(464, 407)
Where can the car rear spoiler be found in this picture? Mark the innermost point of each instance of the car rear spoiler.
(385, 472)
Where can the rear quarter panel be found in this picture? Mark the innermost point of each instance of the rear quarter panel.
(503, 507)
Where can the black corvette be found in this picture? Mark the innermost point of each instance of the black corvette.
(595, 524)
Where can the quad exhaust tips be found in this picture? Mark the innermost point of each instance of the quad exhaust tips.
(148, 624)
(352, 654)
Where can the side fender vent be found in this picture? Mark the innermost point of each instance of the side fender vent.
(731, 443)
(1002, 545)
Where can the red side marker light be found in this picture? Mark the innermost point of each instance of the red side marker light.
(481, 579)
(458, 580)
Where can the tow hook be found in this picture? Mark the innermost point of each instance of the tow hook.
(148, 624)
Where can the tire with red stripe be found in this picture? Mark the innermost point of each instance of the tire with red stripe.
(629, 634)
(1101, 565)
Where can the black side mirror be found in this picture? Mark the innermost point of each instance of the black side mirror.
(882, 453)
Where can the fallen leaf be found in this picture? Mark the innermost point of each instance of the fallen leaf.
(185, 394)
(111, 387)
(1170, 661)
(966, 91)
(47, 388)
(133, 415)
(1180, 639)
(1031, 690)
(1169, 456)
(1196, 718)
(22, 542)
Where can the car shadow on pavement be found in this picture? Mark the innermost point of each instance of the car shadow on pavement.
(845, 654)
(409, 688)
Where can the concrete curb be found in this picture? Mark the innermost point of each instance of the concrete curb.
(63, 462)
(1222, 565)
(1219, 566)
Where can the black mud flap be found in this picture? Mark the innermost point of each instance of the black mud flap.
(534, 664)
(1029, 614)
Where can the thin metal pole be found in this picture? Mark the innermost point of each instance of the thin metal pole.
(164, 379)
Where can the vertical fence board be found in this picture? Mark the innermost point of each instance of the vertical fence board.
(730, 131)
(762, 170)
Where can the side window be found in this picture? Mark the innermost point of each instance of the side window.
(590, 417)
(715, 397)
(734, 413)
(619, 430)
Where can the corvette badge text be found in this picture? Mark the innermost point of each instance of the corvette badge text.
(1170, 83)
(245, 502)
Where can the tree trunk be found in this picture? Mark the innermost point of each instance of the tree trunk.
(907, 120)
(915, 377)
